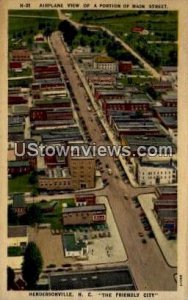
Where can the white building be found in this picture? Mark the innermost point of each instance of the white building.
(105, 63)
(74, 248)
(156, 173)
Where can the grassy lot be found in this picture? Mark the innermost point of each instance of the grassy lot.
(140, 72)
(25, 72)
(20, 82)
(15, 251)
(162, 26)
(134, 81)
(21, 28)
(54, 218)
(20, 184)
(122, 22)
(44, 46)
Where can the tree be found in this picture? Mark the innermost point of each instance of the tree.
(12, 216)
(34, 192)
(10, 278)
(34, 214)
(84, 30)
(47, 32)
(69, 31)
(32, 265)
(82, 41)
(33, 178)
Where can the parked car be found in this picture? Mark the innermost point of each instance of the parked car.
(109, 171)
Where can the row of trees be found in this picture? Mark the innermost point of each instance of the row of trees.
(31, 268)
(94, 39)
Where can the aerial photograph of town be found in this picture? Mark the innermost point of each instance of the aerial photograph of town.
(92, 150)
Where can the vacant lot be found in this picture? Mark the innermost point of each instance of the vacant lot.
(20, 27)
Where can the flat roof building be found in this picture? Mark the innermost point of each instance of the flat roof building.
(92, 214)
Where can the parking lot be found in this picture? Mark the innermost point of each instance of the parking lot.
(50, 246)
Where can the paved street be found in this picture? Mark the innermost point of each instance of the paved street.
(147, 264)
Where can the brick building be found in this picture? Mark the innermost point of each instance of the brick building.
(93, 214)
(85, 199)
(165, 210)
(125, 67)
(21, 55)
(19, 167)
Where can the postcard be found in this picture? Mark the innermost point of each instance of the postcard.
(94, 149)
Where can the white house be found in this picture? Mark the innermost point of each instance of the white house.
(73, 248)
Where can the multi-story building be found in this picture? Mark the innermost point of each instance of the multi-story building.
(21, 55)
(125, 104)
(19, 167)
(79, 215)
(82, 171)
(105, 63)
(162, 144)
(156, 172)
(80, 174)
(165, 209)
(48, 114)
(55, 179)
(125, 67)
(138, 126)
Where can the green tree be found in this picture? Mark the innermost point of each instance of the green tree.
(33, 178)
(12, 216)
(69, 31)
(10, 278)
(34, 192)
(32, 265)
(34, 214)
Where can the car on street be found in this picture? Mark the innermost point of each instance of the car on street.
(109, 171)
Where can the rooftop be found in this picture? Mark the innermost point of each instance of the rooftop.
(70, 243)
(58, 173)
(104, 59)
(158, 164)
(48, 81)
(52, 100)
(167, 190)
(18, 163)
(134, 141)
(18, 200)
(17, 231)
(106, 279)
(97, 207)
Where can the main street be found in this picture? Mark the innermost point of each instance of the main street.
(146, 262)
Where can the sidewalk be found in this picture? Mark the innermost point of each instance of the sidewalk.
(168, 247)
